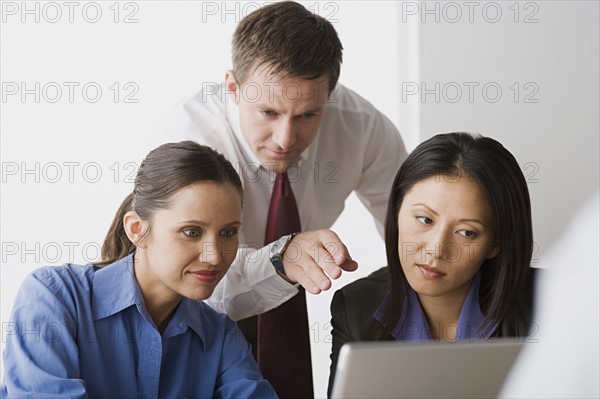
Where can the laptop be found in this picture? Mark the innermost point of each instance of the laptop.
(474, 369)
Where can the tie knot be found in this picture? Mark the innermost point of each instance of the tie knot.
(283, 217)
(282, 176)
(282, 185)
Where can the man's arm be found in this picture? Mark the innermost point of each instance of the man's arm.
(314, 258)
(252, 286)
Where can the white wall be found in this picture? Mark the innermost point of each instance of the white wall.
(174, 48)
(552, 127)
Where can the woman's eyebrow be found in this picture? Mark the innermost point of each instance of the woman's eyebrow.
(201, 223)
(425, 206)
(473, 220)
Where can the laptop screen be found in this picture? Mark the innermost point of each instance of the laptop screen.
(424, 370)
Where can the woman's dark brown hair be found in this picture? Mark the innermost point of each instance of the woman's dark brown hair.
(164, 171)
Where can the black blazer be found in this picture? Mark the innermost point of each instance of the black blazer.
(353, 306)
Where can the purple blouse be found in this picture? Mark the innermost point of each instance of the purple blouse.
(413, 324)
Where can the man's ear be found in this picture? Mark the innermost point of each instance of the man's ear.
(135, 228)
(231, 86)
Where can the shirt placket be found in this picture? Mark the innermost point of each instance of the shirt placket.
(149, 363)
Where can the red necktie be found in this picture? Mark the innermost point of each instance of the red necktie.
(283, 336)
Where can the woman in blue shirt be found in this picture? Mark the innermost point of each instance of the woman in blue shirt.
(459, 242)
(135, 325)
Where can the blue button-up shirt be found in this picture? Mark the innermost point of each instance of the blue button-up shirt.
(413, 325)
(82, 331)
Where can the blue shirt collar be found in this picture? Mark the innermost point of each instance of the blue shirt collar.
(470, 320)
(413, 324)
(115, 289)
(188, 314)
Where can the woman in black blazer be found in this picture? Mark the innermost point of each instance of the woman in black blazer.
(459, 241)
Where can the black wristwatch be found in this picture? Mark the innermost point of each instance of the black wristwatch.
(277, 251)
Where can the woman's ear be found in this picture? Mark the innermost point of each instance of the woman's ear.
(231, 85)
(495, 250)
(134, 228)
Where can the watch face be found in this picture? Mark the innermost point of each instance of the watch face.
(276, 250)
(278, 244)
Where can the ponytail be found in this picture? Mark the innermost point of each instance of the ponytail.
(116, 243)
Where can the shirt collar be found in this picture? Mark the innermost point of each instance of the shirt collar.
(233, 117)
(190, 314)
(471, 319)
(413, 324)
(115, 288)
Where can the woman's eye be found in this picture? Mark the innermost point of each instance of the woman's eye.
(467, 233)
(424, 219)
(192, 232)
(229, 233)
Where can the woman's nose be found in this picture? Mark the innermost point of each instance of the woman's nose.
(439, 244)
(210, 253)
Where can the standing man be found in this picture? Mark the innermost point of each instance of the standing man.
(302, 143)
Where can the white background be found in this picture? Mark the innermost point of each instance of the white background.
(67, 161)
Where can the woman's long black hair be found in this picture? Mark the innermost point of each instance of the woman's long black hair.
(499, 175)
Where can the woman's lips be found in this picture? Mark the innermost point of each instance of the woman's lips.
(206, 276)
(430, 272)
